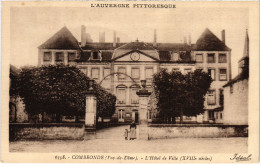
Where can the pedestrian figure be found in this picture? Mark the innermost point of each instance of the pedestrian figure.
(133, 131)
(126, 134)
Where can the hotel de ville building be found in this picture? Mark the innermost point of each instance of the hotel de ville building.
(119, 67)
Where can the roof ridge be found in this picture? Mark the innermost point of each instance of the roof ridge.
(55, 41)
(208, 41)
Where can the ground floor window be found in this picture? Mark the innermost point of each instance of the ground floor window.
(133, 96)
(121, 94)
(211, 97)
(121, 115)
(211, 115)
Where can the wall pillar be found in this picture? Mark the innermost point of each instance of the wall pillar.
(52, 57)
(66, 58)
(90, 112)
(143, 111)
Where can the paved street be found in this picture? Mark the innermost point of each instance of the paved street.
(111, 140)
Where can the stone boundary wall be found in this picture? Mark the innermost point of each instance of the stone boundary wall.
(46, 131)
(159, 131)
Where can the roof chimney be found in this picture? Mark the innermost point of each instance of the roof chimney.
(189, 39)
(83, 35)
(185, 40)
(155, 39)
(101, 37)
(117, 40)
(114, 39)
(223, 36)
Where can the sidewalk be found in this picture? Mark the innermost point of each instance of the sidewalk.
(111, 140)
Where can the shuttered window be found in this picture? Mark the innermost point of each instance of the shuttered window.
(211, 98)
(121, 95)
(133, 96)
(222, 74)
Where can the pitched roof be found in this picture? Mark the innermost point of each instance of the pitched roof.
(210, 42)
(105, 54)
(63, 39)
(243, 75)
(175, 47)
(101, 46)
(84, 57)
(245, 71)
(165, 56)
(136, 46)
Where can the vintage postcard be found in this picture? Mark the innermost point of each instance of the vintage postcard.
(130, 82)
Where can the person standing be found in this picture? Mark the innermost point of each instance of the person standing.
(126, 134)
(132, 131)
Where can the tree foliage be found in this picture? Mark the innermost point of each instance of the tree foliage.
(60, 90)
(179, 94)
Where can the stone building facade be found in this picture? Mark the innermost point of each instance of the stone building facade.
(119, 67)
(236, 92)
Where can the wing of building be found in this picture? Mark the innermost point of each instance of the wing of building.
(236, 92)
(119, 67)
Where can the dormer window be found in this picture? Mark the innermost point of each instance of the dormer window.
(71, 56)
(95, 55)
(175, 56)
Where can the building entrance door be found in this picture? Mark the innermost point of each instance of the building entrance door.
(135, 116)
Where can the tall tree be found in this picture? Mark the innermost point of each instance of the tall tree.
(179, 94)
(58, 89)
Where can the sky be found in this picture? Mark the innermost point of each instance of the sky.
(32, 26)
